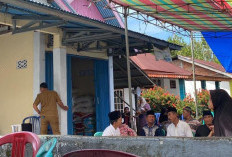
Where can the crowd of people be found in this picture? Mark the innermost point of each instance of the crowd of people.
(169, 123)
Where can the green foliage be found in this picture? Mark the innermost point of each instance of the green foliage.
(202, 50)
(159, 98)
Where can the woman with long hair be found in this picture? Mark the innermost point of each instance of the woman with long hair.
(221, 103)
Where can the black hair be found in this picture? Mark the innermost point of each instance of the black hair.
(172, 109)
(43, 85)
(114, 116)
(150, 112)
(187, 108)
(126, 107)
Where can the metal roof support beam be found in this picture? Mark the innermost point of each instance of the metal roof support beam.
(88, 37)
(112, 46)
(92, 38)
(73, 30)
(29, 24)
(35, 18)
(125, 72)
(25, 28)
(6, 19)
(78, 34)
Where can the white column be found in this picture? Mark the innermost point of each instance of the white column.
(60, 84)
(111, 83)
(225, 85)
(39, 63)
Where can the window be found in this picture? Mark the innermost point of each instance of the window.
(217, 85)
(203, 84)
(157, 82)
(172, 84)
(118, 100)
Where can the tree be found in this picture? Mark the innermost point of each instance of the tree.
(202, 50)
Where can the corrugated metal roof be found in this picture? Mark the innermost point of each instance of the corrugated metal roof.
(107, 13)
(208, 63)
(148, 63)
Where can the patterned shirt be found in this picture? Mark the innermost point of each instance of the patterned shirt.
(149, 131)
(126, 131)
(194, 124)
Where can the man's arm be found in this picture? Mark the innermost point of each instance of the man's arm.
(188, 131)
(168, 131)
(36, 108)
(60, 103)
(36, 103)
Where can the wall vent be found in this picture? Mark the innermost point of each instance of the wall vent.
(22, 64)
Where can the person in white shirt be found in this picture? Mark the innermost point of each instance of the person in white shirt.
(115, 121)
(178, 128)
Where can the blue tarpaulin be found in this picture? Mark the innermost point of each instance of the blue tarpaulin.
(221, 45)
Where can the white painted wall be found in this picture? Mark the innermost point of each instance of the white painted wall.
(175, 91)
(210, 85)
(226, 86)
(189, 87)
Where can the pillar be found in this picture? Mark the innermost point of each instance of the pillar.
(111, 83)
(39, 63)
(60, 79)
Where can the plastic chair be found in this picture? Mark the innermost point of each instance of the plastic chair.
(98, 134)
(35, 121)
(98, 153)
(19, 141)
(47, 148)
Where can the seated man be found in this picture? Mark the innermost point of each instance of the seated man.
(150, 128)
(206, 130)
(115, 121)
(177, 128)
(193, 123)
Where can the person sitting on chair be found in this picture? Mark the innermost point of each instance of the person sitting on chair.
(115, 121)
(206, 130)
(150, 128)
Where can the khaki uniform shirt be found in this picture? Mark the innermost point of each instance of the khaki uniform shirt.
(48, 100)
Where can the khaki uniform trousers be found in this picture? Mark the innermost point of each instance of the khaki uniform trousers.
(54, 123)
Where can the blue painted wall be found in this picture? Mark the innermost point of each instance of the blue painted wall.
(69, 94)
(49, 70)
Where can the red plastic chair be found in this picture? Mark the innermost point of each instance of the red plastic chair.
(19, 141)
(98, 153)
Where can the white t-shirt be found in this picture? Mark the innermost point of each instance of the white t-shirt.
(111, 131)
(181, 130)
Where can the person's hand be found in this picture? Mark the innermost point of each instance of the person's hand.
(211, 128)
(65, 108)
(212, 131)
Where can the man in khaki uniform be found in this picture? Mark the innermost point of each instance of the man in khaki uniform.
(49, 114)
